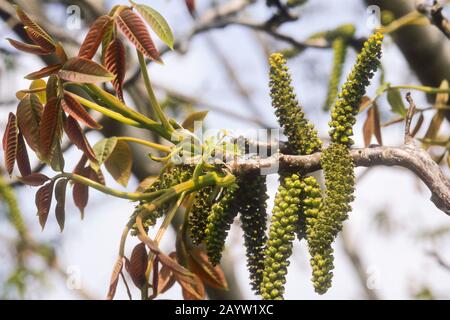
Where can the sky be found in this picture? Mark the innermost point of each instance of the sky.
(396, 263)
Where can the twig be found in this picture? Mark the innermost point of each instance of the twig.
(434, 14)
(408, 156)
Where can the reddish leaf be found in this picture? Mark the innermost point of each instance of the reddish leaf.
(84, 71)
(77, 111)
(35, 32)
(35, 179)
(76, 135)
(138, 265)
(166, 279)
(115, 278)
(94, 37)
(51, 128)
(80, 192)
(29, 113)
(190, 5)
(115, 62)
(10, 143)
(165, 259)
(28, 48)
(60, 196)
(97, 176)
(43, 202)
(80, 165)
(23, 161)
(136, 31)
(192, 291)
(52, 89)
(200, 265)
(44, 72)
(372, 125)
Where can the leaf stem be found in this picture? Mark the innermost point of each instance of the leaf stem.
(146, 143)
(429, 90)
(151, 94)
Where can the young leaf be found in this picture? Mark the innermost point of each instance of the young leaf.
(29, 113)
(76, 135)
(52, 87)
(60, 197)
(39, 86)
(192, 291)
(136, 31)
(35, 32)
(10, 143)
(51, 129)
(103, 150)
(35, 179)
(158, 24)
(43, 202)
(23, 161)
(115, 278)
(80, 192)
(166, 279)
(192, 118)
(395, 100)
(94, 37)
(372, 126)
(84, 71)
(115, 62)
(44, 72)
(28, 48)
(145, 184)
(119, 163)
(138, 265)
(190, 5)
(78, 112)
(200, 265)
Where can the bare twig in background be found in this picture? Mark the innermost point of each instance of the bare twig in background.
(355, 259)
(434, 13)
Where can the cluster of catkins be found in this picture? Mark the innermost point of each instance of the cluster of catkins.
(299, 206)
(301, 209)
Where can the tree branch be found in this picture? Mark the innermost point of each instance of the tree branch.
(408, 156)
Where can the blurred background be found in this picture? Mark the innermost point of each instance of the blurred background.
(396, 244)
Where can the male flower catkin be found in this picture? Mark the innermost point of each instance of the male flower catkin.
(347, 106)
(168, 178)
(198, 218)
(220, 219)
(338, 166)
(252, 201)
(281, 236)
(302, 138)
(339, 181)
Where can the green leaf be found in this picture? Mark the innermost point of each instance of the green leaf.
(382, 88)
(103, 150)
(192, 118)
(119, 163)
(395, 100)
(158, 24)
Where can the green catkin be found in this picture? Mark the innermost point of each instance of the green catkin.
(168, 178)
(283, 225)
(220, 220)
(198, 217)
(339, 52)
(302, 138)
(338, 166)
(252, 201)
(310, 205)
(14, 214)
(347, 106)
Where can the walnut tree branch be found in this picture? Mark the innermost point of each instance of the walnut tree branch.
(407, 156)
